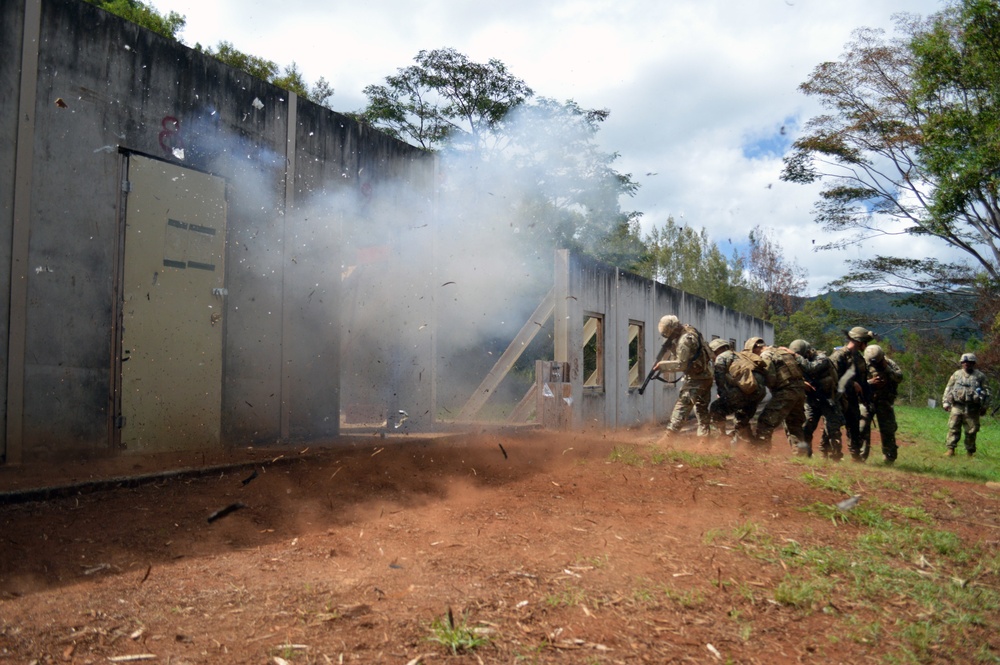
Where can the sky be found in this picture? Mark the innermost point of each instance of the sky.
(703, 94)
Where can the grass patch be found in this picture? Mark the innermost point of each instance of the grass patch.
(927, 428)
(458, 636)
(626, 455)
(656, 456)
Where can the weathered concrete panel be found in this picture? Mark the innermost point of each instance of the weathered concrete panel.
(622, 297)
(107, 88)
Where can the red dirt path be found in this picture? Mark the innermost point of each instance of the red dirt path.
(347, 553)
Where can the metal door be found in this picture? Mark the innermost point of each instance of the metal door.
(173, 292)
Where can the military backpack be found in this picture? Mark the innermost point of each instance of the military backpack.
(742, 369)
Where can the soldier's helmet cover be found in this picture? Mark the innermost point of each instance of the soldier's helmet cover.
(874, 353)
(752, 342)
(860, 334)
(968, 358)
(800, 346)
(718, 345)
(668, 324)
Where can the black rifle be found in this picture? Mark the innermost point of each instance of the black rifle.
(655, 373)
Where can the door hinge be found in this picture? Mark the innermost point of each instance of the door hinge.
(126, 186)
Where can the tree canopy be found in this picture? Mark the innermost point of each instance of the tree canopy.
(564, 190)
(167, 25)
(909, 148)
(287, 78)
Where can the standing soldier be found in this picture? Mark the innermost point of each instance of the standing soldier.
(852, 386)
(821, 399)
(884, 376)
(966, 397)
(788, 398)
(692, 357)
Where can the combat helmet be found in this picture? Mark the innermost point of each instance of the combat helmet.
(874, 353)
(968, 358)
(719, 344)
(860, 334)
(668, 324)
(800, 347)
(752, 342)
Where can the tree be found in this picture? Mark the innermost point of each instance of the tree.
(446, 99)
(558, 185)
(288, 78)
(818, 322)
(908, 148)
(688, 260)
(774, 282)
(167, 25)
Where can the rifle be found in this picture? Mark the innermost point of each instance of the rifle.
(655, 373)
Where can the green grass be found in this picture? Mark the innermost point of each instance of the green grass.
(456, 635)
(926, 429)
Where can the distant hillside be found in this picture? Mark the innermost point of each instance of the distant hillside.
(880, 311)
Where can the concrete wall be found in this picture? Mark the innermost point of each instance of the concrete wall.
(584, 285)
(121, 88)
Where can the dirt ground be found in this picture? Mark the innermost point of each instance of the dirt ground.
(349, 552)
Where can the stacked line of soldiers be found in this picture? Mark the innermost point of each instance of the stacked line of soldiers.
(854, 389)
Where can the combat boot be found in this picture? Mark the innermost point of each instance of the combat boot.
(950, 453)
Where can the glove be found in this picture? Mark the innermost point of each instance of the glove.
(946, 406)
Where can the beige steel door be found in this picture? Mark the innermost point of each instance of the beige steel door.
(173, 295)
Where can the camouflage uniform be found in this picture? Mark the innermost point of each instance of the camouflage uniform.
(731, 400)
(788, 397)
(693, 358)
(821, 402)
(884, 376)
(963, 397)
(853, 387)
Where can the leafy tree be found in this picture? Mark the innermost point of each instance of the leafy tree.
(288, 78)
(688, 260)
(167, 25)
(909, 148)
(560, 186)
(446, 99)
(818, 322)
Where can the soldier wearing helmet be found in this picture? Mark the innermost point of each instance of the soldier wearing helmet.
(853, 389)
(884, 376)
(689, 354)
(731, 399)
(821, 399)
(784, 379)
(966, 397)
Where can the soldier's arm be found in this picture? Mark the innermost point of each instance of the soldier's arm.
(893, 371)
(685, 351)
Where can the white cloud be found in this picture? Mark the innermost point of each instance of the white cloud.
(689, 83)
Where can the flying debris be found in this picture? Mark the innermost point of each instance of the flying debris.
(222, 512)
(246, 481)
(403, 415)
(847, 504)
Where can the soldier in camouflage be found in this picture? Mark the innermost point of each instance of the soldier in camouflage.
(852, 386)
(884, 376)
(821, 399)
(690, 355)
(731, 401)
(965, 397)
(788, 396)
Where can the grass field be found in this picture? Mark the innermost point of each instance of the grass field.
(927, 429)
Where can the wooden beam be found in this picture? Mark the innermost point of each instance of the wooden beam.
(507, 359)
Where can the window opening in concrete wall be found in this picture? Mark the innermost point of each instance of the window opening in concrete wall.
(636, 359)
(593, 351)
